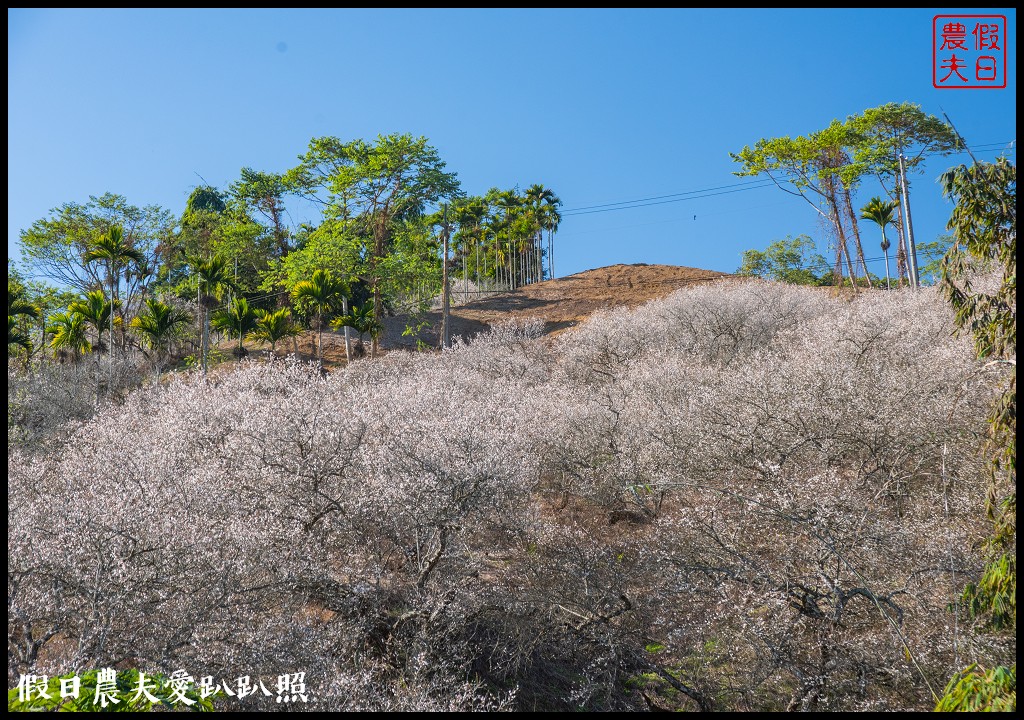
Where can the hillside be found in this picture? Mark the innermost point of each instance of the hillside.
(562, 303)
(634, 518)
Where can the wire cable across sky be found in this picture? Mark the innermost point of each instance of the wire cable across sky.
(756, 184)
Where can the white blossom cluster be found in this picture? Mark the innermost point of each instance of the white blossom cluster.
(743, 496)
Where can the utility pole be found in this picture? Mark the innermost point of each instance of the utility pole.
(445, 290)
(959, 137)
(110, 373)
(915, 279)
(551, 253)
(202, 317)
(348, 344)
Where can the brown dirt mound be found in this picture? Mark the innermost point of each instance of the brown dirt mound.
(562, 303)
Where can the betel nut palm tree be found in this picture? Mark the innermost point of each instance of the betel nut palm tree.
(881, 212)
(324, 293)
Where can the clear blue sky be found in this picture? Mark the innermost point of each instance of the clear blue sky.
(600, 105)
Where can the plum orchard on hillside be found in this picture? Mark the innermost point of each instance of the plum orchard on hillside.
(744, 496)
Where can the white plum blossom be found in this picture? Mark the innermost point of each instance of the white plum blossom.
(743, 496)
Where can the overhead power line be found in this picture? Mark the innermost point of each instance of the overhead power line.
(736, 187)
(662, 197)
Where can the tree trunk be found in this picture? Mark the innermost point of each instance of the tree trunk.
(378, 305)
(901, 255)
(348, 345)
(837, 222)
(202, 327)
(206, 338)
(551, 258)
(886, 268)
(856, 234)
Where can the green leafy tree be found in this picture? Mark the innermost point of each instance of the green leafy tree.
(274, 325)
(380, 186)
(157, 326)
(793, 260)
(979, 690)
(881, 213)
(18, 307)
(511, 203)
(38, 295)
(95, 309)
(237, 320)
(843, 174)
(808, 167)
(362, 320)
(984, 227)
(549, 218)
(263, 194)
(930, 255)
(469, 214)
(324, 293)
(18, 303)
(198, 228)
(115, 251)
(881, 134)
(17, 337)
(217, 223)
(213, 278)
(69, 331)
(56, 247)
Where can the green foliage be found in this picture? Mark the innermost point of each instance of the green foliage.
(979, 690)
(984, 226)
(18, 303)
(17, 337)
(260, 196)
(807, 162)
(930, 256)
(361, 319)
(158, 323)
(378, 192)
(881, 213)
(215, 224)
(213, 277)
(55, 247)
(995, 594)
(830, 162)
(236, 319)
(205, 198)
(127, 685)
(272, 326)
(793, 260)
(19, 308)
(331, 246)
(94, 309)
(69, 334)
(113, 249)
(322, 291)
(882, 133)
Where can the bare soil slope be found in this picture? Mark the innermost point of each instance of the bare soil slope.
(561, 303)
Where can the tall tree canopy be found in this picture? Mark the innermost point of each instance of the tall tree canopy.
(55, 247)
(381, 186)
